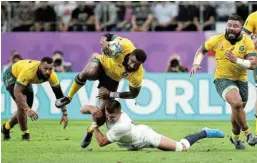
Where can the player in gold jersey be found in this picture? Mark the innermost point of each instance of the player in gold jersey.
(250, 28)
(234, 53)
(120, 59)
(17, 80)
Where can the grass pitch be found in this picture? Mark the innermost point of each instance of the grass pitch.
(52, 144)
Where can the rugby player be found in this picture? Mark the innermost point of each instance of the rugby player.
(17, 80)
(120, 59)
(126, 134)
(250, 28)
(234, 53)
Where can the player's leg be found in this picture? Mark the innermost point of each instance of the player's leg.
(243, 87)
(164, 143)
(8, 125)
(90, 72)
(9, 82)
(229, 91)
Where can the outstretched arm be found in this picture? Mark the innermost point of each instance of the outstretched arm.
(198, 58)
(133, 93)
(101, 139)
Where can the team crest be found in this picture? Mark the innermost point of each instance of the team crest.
(124, 74)
(241, 49)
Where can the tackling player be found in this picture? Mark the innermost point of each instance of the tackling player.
(126, 134)
(250, 28)
(234, 53)
(17, 80)
(120, 59)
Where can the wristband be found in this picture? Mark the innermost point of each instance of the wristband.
(198, 58)
(243, 63)
(114, 95)
(94, 124)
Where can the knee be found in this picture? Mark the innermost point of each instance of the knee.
(237, 104)
(89, 74)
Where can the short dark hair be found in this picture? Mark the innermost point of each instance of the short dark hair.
(48, 60)
(113, 106)
(236, 18)
(59, 52)
(140, 55)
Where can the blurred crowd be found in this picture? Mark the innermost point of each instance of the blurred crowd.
(118, 16)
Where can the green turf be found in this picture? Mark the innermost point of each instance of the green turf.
(51, 144)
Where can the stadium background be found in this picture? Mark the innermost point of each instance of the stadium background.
(36, 29)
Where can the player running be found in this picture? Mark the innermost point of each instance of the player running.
(126, 134)
(234, 53)
(120, 59)
(17, 80)
(250, 28)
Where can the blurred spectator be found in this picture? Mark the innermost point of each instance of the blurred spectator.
(242, 9)
(165, 13)
(4, 16)
(82, 18)
(59, 64)
(254, 6)
(209, 17)
(174, 65)
(106, 16)
(225, 9)
(14, 57)
(124, 12)
(188, 15)
(63, 10)
(45, 17)
(141, 18)
(23, 16)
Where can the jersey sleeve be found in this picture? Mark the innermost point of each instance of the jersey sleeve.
(136, 79)
(53, 79)
(209, 44)
(250, 51)
(249, 25)
(117, 132)
(24, 78)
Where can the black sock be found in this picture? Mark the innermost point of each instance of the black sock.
(236, 131)
(195, 137)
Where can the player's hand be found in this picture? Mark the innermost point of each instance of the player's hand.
(97, 113)
(194, 69)
(32, 114)
(107, 52)
(230, 56)
(64, 120)
(104, 95)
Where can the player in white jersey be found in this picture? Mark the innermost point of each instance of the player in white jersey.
(126, 134)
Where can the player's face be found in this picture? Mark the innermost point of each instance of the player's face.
(133, 64)
(233, 29)
(111, 117)
(46, 69)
